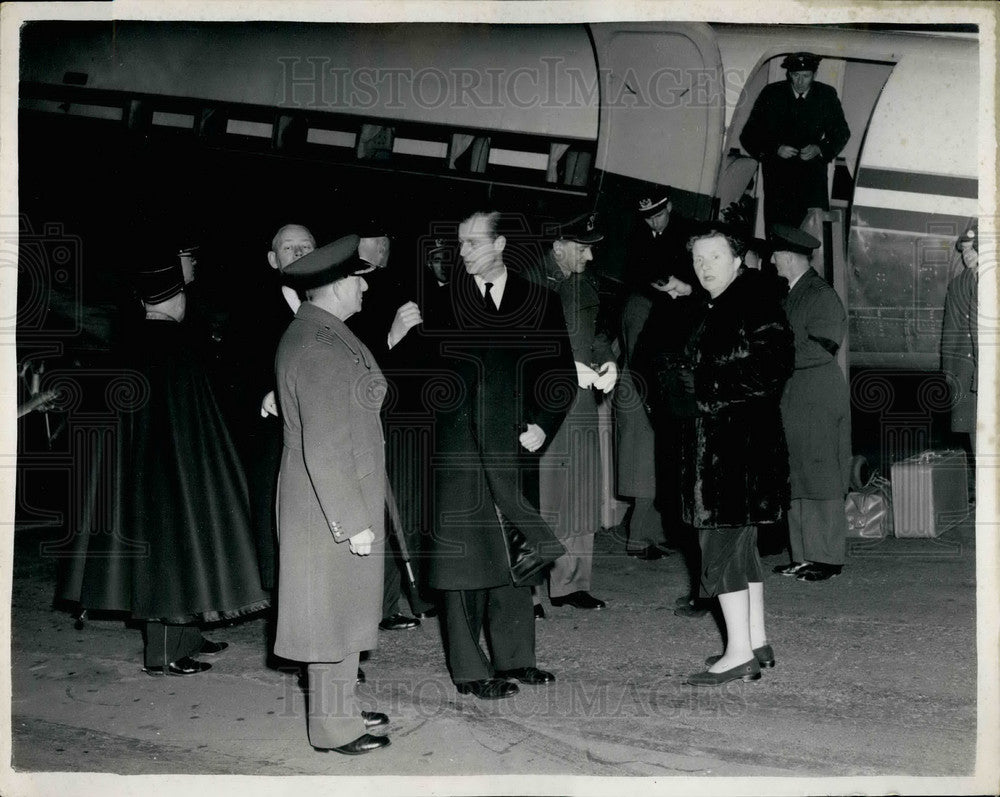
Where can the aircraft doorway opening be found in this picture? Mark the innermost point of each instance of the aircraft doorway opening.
(858, 84)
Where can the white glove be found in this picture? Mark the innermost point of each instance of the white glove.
(269, 406)
(407, 317)
(533, 438)
(585, 375)
(361, 543)
(607, 377)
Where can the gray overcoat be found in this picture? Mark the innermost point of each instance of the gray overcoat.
(331, 486)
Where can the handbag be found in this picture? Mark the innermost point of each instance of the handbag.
(869, 510)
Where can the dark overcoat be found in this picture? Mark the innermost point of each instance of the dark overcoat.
(331, 487)
(650, 257)
(504, 369)
(250, 344)
(634, 436)
(734, 466)
(792, 185)
(816, 406)
(165, 524)
(959, 348)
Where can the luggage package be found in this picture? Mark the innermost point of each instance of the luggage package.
(930, 493)
(869, 510)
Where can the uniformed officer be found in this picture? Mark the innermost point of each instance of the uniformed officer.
(795, 129)
(331, 496)
(960, 336)
(816, 412)
(570, 470)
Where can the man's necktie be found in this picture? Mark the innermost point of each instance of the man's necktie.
(488, 303)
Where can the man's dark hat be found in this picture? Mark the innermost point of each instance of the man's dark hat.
(325, 265)
(583, 229)
(437, 245)
(161, 276)
(652, 200)
(791, 239)
(971, 234)
(158, 284)
(801, 62)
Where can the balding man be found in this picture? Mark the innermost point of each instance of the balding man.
(251, 343)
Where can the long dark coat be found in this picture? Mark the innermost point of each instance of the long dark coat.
(165, 528)
(504, 369)
(250, 344)
(792, 185)
(734, 466)
(816, 405)
(959, 348)
(331, 487)
(634, 436)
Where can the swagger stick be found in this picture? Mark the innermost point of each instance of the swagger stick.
(397, 530)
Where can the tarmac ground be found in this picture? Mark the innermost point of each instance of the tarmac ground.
(876, 676)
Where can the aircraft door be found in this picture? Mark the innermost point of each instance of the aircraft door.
(662, 107)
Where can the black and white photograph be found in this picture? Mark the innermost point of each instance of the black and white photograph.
(497, 398)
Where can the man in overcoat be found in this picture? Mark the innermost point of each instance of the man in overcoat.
(385, 323)
(251, 342)
(570, 476)
(816, 413)
(331, 496)
(960, 337)
(510, 368)
(657, 273)
(795, 129)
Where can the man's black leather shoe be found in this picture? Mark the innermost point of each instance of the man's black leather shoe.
(579, 600)
(361, 676)
(210, 648)
(818, 571)
(398, 622)
(648, 554)
(527, 675)
(184, 666)
(487, 689)
(792, 569)
(428, 614)
(374, 719)
(539, 612)
(363, 744)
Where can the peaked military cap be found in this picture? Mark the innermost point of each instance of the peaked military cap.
(652, 200)
(325, 265)
(582, 229)
(161, 276)
(801, 62)
(437, 245)
(791, 239)
(971, 234)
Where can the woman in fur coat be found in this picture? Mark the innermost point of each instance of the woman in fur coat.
(734, 465)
